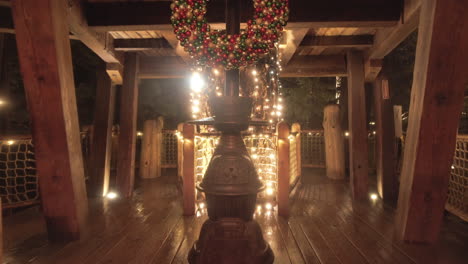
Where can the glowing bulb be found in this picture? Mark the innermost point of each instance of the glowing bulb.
(2, 102)
(254, 156)
(196, 102)
(10, 142)
(346, 134)
(215, 71)
(280, 99)
(202, 205)
(111, 195)
(272, 156)
(219, 94)
(195, 109)
(139, 134)
(196, 82)
(374, 196)
(269, 191)
(256, 80)
(268, 206)
(279, 107)
(254, 72)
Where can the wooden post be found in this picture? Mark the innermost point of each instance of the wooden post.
(102, 139)
(1, 231)
(384, 140)
(358, 157)
(296, 128)
(334, 142)
(439, 82)
(128, 123)
(45, 58)
(188, 132)
(150, 160)
(283, 168)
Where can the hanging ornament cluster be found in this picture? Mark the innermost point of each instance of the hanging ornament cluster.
(214, 48)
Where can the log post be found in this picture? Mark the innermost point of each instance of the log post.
(150, 159)
(188, 132)
(296, 128)
(102, 139)
(384, 140)
(283, 168)
(439, 83)
(334, 142)
(358, 152)
(128, 124)
(42, 37)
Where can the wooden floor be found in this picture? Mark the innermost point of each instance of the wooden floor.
(325, 227)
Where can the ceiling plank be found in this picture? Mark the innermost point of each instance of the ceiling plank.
(357, 41)
(304, 13)
(293, 39)
(96, 42)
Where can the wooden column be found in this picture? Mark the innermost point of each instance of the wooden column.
(128, 123)
(99, 171)
(150, 159)
(384, 140)
(440, 79)
(358, 152)
(45, 58)
(283, 168)
(334, 142)
(188, 133)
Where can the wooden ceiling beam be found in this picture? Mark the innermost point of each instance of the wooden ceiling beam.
(116, 16)
(299, 66)
(97, 42)
(315, 66)
(169, 67)
(388, 39)
(141, 44)
(357, 41)
(372, 69)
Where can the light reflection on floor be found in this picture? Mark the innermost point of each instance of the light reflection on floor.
(263, 208)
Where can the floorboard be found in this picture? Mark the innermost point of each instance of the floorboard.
(325, 226)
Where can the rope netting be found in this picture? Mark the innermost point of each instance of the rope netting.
(457, 196)
(169, 149)
(313, 148)
(18, 179)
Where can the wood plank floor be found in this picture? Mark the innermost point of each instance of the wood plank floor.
(325, 227)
